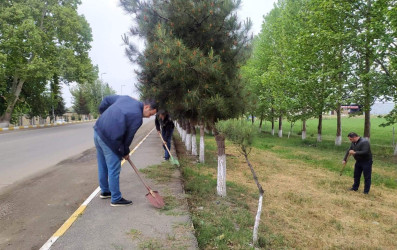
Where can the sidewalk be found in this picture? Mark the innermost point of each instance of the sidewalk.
(138, 226)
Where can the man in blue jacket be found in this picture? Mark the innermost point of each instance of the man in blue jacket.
(121, 117)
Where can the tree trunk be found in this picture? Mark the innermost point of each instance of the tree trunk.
(280, 126)
(188, 138)
(367, 123)
(320, 128)
(366, 80)
(272, 121)
(304, 130)
(338, 140)
(16, 89)
(395, 150)
(290, 131)
(260, 201)
(252, 119)
(202, 145)
(221, 179)
(184, 132)
(194, 142)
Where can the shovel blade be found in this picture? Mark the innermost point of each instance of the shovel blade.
(155, 199)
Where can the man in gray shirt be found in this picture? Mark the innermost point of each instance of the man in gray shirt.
(361, 151)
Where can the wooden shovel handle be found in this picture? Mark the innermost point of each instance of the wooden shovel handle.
(165, 144)
(137, 172)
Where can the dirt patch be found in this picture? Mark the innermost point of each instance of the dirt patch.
(312, 208)
(304, 206)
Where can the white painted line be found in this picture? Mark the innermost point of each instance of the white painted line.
(49, 243)
(89, 199)
(66, 225)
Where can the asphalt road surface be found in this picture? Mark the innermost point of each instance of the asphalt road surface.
(25, 153)
(46, 174)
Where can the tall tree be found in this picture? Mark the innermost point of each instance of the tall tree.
(371, 41)
(41, 39)
(192, 60)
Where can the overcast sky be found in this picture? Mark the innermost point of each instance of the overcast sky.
(108, 22)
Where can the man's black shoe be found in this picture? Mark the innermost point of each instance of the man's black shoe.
(365, 192)
(352, 189)
(120, 203)
(105, 195)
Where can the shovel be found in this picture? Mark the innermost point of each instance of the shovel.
(173, 161)
(344, 165)
(153, 196)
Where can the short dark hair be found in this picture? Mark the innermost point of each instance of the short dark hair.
(153, 104)
(352, 135)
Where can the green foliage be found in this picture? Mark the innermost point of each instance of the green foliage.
(238, 131)
(192, 58)
(87, 97)
(80, 102)
(313, 56)
(41, 41)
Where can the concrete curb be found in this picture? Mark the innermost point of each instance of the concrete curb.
(43, 125)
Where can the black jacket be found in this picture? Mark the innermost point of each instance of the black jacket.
(167, 125)
(362, 149)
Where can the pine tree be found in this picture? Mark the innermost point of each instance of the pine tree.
(191, 61)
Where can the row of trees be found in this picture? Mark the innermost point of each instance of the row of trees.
(43, 44)
(191, 64)
(312, 56)
(87, 97)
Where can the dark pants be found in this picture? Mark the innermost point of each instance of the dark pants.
(167, 135)
(366, 168)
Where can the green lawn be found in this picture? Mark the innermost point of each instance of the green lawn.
(382, 136)
(304, 194)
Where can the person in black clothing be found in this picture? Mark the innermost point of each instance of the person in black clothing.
(165, 126)
(361, 151)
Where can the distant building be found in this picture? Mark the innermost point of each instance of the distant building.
(379, 108)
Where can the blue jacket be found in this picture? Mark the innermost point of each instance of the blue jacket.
(121, 117)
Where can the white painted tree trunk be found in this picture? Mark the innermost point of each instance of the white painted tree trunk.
(338, 140)
(395, 150)
(319, 138)
(257, 220)
(194, 145)
(280, 133)
(221, 180)
(273, 131)
(202, 149)
(202, 146)
(303, 135)
(189, 142)
(183, 135)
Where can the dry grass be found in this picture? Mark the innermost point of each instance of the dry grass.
(312, 207)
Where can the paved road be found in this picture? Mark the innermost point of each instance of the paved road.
(24, 153)
(33, 209)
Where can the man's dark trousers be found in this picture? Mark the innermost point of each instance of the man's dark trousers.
(167, 138)
(366, 168)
